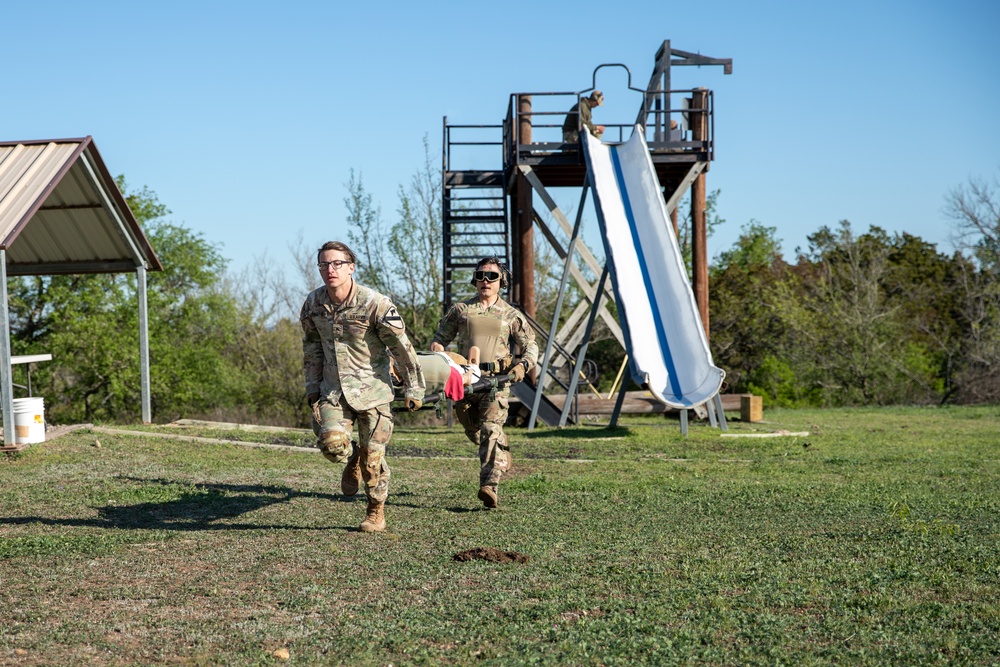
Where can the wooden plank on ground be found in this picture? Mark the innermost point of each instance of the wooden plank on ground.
(635, 403)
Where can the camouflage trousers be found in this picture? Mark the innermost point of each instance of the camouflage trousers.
(483, 421)
(334, 429)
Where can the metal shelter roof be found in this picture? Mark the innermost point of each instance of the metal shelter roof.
(62, 212)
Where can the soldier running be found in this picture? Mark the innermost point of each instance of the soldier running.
(348, 334)
(487, 322)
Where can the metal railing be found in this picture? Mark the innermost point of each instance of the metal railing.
(451, 142)
(547, 136)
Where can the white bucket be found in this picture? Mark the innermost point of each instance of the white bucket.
(29, 420)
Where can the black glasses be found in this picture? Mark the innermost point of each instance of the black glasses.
(337, 264)
(488, 276)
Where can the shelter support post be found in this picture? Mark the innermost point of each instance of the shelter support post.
(144, 344)
(6, 380)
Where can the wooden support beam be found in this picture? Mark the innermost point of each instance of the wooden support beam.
(536, 183)
(523, 211)
(635, 402)
(589, 290)
(699, 231)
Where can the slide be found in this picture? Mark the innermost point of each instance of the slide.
(667, 348)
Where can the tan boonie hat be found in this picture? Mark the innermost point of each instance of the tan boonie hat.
(597, 97)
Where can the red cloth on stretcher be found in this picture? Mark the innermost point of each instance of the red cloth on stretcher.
(453, 387)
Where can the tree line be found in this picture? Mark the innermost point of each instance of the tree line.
(859, 318)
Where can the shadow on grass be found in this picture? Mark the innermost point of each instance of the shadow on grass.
(581, 432)
(199, 507)
(463, 510)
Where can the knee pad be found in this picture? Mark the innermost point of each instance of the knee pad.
(335, 445)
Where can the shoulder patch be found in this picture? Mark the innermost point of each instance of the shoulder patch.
(392, 319)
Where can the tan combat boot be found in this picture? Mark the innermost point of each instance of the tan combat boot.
(489, 496)
(375, 521)
(350, 480)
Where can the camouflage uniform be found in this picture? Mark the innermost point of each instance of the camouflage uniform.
(346, 360)
(571, 132)
(482, 418)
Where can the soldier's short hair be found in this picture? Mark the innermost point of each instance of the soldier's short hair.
(337, 245)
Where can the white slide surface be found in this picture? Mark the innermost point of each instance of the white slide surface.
(668, 350)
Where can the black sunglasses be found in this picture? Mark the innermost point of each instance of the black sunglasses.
(488, 276)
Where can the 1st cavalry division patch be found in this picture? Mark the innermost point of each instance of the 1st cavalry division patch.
(392, 318)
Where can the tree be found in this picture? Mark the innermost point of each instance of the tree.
(366, 234)
(923, 283)
(267, 349)
(974, 210)
(90, 325)
(404, 260)
(748, 330)
(415, 241)
(977, 374)
(684, 231)
(756, 247)
(865, 353)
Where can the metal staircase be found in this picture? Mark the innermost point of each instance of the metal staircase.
(474, 212)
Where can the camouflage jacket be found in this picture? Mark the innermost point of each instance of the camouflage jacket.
(454, 326)
(346, 349)
(574, 121)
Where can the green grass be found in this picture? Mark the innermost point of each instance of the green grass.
(871, 541)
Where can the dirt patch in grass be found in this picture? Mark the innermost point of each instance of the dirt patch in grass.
(490, 555)
(518, 469)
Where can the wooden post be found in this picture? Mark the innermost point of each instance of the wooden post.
(699, 250)
(524, 119)
(751, 408)
(523, 232)
(699, 231)
(515, 248)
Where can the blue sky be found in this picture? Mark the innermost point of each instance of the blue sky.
(247, 117)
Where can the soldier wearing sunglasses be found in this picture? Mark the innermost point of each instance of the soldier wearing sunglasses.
(489, 323)
(348, 333)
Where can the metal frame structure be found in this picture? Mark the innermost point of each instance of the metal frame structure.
(61, 213)
(600, 296)
(681, 158)
(474, 214)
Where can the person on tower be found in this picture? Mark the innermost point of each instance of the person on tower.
(580, 115)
